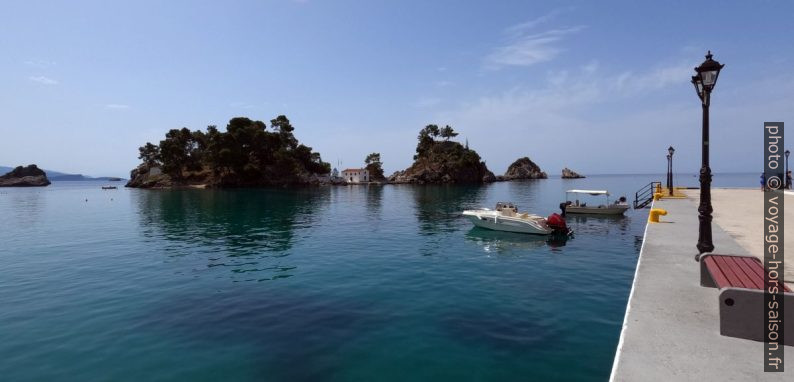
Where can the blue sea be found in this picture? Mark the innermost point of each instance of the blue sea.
(345, 283)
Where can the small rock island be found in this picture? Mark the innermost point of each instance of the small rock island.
(247, 154)
(29, 176)
(438, 159)
(570, 174)
(523, 168)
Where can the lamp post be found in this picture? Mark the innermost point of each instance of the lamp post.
(670, 152)
(667, 184)
(788, 185)
(704, 82)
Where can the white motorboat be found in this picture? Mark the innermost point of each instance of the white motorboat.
(507, 218)
(618, 207)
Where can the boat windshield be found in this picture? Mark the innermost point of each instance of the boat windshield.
(506, 206)
(589, 192)
(576, 201)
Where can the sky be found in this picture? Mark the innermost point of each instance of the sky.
(600, 87)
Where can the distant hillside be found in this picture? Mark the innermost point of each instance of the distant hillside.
(56, 176)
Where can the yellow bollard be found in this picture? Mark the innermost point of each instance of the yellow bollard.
(653, 217)
(657, 196)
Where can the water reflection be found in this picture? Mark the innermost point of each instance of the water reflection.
(508, 243)
(250, 231)
(598, 224)
(26, 205)
(374, 195)
(527, 193)
(438, 208)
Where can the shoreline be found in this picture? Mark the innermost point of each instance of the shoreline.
(205, 186)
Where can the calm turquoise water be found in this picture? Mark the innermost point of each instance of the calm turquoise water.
(326, 284)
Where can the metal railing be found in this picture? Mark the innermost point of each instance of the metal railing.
(644, 196)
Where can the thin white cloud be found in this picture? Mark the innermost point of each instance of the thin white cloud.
(428, 101)
(117, 106)
(525, 46)
(655, 79)
(588, 85)
(530, 49)
(519, 29)
(43, 80)
(591, 67)
(541, 118)
(41, 64)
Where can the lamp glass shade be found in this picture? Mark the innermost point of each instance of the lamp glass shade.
(709, 77)
(698, 85)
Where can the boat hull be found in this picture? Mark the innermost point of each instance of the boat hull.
(506, 225)
(611, 210)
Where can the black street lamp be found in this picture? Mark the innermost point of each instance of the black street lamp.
(670, 152)
(704, 82)
(788, 184)
(667, 184)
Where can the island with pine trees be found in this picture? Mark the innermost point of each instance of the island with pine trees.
(247, 154)
(252, 154)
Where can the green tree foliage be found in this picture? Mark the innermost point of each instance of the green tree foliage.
(180, 151)
(284, 128)
(247, 153)
(447, 133)
(374, 166)
(149, 154)
(449, 152)
(427, 137)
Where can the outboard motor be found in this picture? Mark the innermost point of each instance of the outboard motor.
(563, 206)
(557, 224)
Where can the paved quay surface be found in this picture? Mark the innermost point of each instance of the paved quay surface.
(671, 327)
(740, 212)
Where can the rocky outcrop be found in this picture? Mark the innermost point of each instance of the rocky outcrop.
(152, 177)
(439, 174)
(445, 162)
(524, 168)
(149, 177)
(30, 176)
(570, 174)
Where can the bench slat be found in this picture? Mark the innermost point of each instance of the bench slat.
(756, 280)
(748, 278)
(759, 268)
(715, 271)
(756, 267)
(737, 271)
(726, 268)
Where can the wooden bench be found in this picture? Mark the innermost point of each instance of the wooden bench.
(740, 280)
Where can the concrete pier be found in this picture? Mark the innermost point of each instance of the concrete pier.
(671, 328)
(740, 212)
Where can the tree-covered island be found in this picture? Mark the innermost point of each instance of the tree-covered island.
(251, 154)
(247, 154)
(438, 159)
